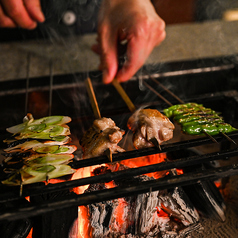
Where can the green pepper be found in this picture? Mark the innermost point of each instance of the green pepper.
(169, 112)
(211, 129)
(199, 117)
(225, 128)
(197, 120)
(203, 121)
(197, 113)
(192, 130)
(188, 110)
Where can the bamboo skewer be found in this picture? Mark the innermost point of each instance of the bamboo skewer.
(92, 98)
(124, 95)
(96, 110)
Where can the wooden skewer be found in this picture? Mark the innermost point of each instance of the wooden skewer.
(92, 98)
(96, 110)
(124, 95)
(131, 106)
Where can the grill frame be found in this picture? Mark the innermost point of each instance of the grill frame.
(167, 73)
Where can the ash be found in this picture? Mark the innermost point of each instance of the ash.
(167, 213)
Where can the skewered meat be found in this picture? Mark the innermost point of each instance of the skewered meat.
(102, 135)
(196, 119)
(148, 125)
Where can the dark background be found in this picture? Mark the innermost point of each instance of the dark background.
(172, 11)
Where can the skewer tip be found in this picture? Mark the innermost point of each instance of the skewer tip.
(211, 137)
(108, 153)
(228, 138)
(155, 142)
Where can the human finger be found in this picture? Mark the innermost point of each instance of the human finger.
(136, 55)
(33, 8)
(5, 21)
(138, 50)
(109, 62)
(96, 49)
(18, 13)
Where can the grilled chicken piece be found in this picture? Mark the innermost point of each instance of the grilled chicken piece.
(103, 135)
(148, 125)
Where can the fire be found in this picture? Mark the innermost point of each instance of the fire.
(147, 160)
(30, 233)
(83, 223)
(161, 213)
(82, 173)
(82, 228)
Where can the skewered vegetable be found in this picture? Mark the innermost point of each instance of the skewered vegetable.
(29, 160)
(196, 119)
(34, 174)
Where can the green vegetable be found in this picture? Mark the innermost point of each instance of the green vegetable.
(204, 120)
(207, 112)
(36, 174)
(48, 159)
(51, 131)
(37, 125)
(196, 119)
(169, 111)
(34, 161)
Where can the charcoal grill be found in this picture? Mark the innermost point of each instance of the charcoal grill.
(210, 81)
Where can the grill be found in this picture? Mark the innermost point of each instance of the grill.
(211, 81)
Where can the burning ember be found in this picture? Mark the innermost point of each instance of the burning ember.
(155, 214)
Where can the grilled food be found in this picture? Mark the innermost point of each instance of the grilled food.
(102, 135)
(196, 119)
(37, 150)
(148, 125)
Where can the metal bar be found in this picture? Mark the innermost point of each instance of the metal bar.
(129, 173)
(118, 192)
(210, 137)
(41, 88)
(190, 71)
(27, 81)
(167, 90)
(51, 86)
(149, 151)
(228, 138)
(158, 94)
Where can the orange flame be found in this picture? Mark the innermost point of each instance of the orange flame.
(147, 160)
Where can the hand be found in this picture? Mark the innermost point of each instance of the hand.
(134, 21)
(22, 13)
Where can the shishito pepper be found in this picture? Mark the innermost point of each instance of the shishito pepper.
(173, 110)
(196, 119)
(196, 113)
(211, 129)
